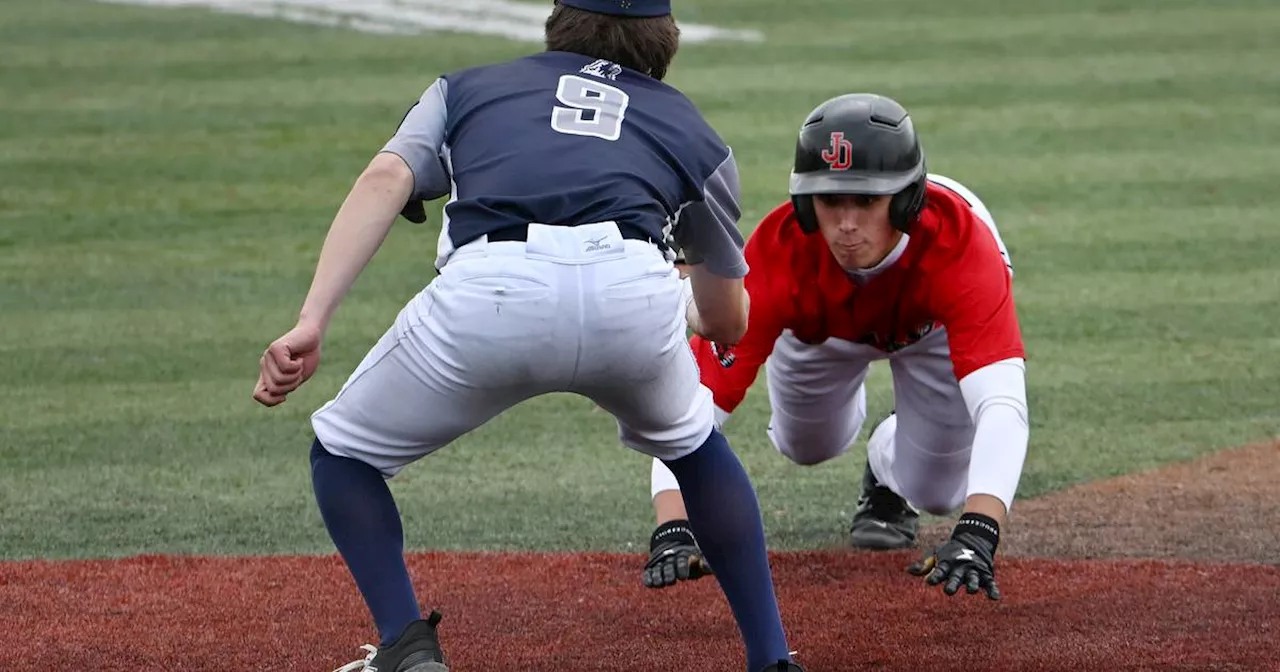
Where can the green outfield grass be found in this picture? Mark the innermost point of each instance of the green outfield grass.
(167, 177)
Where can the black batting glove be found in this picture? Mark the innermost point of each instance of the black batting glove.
(673, 556)
(966, 559)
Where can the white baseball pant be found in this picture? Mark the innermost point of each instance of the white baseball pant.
(573, 309)
(818, 398)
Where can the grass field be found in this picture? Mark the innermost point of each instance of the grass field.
(167, 177)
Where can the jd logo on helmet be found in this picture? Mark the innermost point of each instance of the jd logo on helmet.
(840, 154)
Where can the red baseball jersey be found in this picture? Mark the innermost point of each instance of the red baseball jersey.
(951, 274)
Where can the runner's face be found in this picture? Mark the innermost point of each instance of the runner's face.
(856, 228)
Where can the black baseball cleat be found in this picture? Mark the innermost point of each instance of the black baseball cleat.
(417, 649)
(883, 521)
(783, 666)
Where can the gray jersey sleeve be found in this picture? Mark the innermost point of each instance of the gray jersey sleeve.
(707, 230)
(419, 141)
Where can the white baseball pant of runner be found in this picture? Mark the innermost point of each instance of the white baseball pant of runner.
(818, 395)
(574, 309)
(818, 398)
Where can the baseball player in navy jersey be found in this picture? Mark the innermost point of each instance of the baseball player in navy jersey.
(873, 258)
(565, 172)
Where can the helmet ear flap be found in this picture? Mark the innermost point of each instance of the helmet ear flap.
(906, 205)
(806, 216)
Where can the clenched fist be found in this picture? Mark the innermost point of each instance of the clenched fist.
(287, 363)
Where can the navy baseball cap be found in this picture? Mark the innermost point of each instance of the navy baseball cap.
(622, 7)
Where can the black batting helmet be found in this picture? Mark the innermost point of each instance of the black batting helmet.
(859, 143)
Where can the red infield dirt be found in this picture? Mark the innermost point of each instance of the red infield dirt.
(844, 610)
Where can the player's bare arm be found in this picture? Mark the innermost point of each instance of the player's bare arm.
(691, 307)
(719, 308)
(357, 231)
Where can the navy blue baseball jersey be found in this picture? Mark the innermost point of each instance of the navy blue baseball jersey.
(562, 139)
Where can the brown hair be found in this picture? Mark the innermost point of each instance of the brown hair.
(646, 44)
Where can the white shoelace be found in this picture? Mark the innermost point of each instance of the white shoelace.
(356, 665)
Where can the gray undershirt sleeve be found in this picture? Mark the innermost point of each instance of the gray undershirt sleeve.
(419, 141)
(707, 230)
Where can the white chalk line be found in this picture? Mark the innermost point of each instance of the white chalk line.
(507, 19)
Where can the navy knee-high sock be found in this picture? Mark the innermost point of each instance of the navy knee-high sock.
(362, 518)
(725, 517)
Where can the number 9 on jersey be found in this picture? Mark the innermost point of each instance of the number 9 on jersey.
(592, 108)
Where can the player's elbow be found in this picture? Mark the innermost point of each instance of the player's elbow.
(724, 334)
(387, 171)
